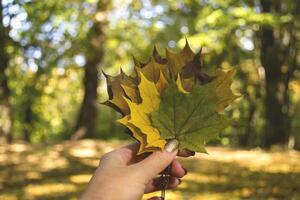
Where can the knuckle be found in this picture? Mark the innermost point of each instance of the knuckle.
(106, 157)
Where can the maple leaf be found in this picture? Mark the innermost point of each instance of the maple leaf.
(153, 69)
(119, 86)
(223, 81)
(139, 136)
(171, 97)
(224, 92)
(139, 117)
(176, 61)
(189, 117)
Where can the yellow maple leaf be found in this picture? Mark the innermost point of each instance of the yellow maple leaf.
(185, 85)
(149, 95)
(139, 118)
(140, 95)
(138, 135)
(223, 90)
(161, 83)
(178, 60)
(152, 70)
(119, 86)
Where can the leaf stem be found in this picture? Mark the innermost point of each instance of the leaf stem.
(165, 179)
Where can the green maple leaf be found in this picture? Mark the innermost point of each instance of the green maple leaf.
(172, 97)
(190, 118)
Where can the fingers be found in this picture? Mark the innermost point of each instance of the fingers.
(155, 184)
(123, 155)
(130, 148)
(157, 161)
(126, 153)
(177, 169)
(185, 153)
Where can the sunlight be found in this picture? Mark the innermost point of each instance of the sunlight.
(53, 160)
(85, 149)
(48, 189)
(170, 194)
(219, 75)
(209, 196)
(83, 152)
(81, 178)
(223, 174)
(8, 197)
(18, 147)
(196, 177)
(33, 175)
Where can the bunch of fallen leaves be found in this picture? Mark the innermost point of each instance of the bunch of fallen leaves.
(172, 98)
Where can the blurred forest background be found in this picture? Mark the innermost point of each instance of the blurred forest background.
(52, 54)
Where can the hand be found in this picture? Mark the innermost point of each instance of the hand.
(122, 175)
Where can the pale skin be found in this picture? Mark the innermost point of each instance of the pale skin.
(122, 175)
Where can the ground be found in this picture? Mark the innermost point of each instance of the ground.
(61, 171)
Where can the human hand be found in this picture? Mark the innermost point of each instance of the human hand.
(122, 175)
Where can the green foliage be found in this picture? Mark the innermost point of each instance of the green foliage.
(190, 118)
(107, 126)
(46, 37)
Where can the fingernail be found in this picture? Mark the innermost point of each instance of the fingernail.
(171, 146)
(192, 153)
(185, 171)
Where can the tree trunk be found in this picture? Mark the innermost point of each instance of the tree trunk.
(28, 119)
(276, 131)
(5, 128)
(297, 141)
(244, 140)
(86, 121)
(31, 96)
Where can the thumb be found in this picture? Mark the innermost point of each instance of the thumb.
(159, 160)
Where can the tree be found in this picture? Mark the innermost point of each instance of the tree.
(220, 25)
(5, 107)
(275, 55)
(86, 121)
(48, 59)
